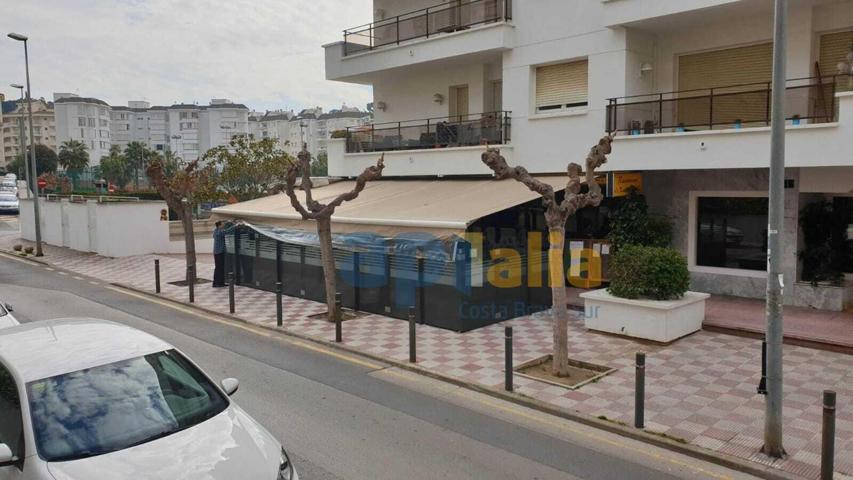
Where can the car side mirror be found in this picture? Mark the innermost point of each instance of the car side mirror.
(230, 386)
(9, 307)
(7, 458)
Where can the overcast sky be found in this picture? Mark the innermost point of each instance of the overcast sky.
(264, 53)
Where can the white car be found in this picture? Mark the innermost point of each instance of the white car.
(86, 399)
(6, 317)
(9, 202)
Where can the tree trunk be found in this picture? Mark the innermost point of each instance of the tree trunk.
(327, 256)
(559, 311)
(189, 240)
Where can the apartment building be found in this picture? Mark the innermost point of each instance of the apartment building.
(684, 85)
(44, 128)
(311, 126)
(84, 119)
(221, 121)
(139, 122)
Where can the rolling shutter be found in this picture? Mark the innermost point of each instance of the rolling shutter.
(561, 85)
(724, 71)
(833, 50)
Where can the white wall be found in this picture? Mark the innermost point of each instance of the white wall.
(111, 229)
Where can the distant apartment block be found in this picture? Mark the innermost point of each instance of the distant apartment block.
(311, 126)
(84, 119)
(44, 128)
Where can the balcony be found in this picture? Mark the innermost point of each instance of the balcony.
(808, 101)
(436, 20)
(441, 132)
(472, 28)
(729, 127)
(433, 147)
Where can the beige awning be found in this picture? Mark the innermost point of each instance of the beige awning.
(388, 207)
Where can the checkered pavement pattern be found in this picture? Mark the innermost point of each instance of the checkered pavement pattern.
(700, 389)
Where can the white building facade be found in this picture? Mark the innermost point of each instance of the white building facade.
(84, 119)
(685, 85)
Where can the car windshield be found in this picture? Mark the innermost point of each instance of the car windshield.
(103, 409)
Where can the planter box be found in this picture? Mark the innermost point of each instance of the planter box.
(657, 320)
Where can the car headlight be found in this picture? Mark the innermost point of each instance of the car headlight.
(285, 469)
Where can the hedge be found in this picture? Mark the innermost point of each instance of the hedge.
(648, 272)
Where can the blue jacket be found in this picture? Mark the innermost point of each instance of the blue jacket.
(218, 241)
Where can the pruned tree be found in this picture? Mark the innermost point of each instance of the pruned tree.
(178, 192)
(322, 213)
(556, 215)
(248, 168)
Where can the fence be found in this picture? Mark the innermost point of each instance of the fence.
(808, 100)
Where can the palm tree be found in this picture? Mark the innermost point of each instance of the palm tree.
(73, 156)
(138, 155)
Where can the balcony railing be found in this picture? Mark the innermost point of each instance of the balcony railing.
(808, 100)
(440, 132)
(444, 18)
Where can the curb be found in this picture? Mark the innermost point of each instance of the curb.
(709, 456)
(30, 258)
(788, 339)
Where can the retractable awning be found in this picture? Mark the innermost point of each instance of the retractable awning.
(388, 207)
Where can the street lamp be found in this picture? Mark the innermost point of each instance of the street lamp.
(34, 177)
(23, 138)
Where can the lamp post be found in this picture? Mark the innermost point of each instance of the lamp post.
(37, 213)
(776, 218)
(22, 133)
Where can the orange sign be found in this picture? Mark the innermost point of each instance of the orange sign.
(624, 181)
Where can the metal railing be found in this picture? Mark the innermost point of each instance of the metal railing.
(435, 20)
(808, 100)
(439, 132)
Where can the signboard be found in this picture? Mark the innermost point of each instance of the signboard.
(42, 183)
(623, 182)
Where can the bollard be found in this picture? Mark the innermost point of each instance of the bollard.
(157, 275)
(640, 391)
(508, 364)
(191, 282)
(413, 356)
(231, 292)
(827, 449)
(339, 334)
(278, 310)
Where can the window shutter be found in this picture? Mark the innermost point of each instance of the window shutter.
(833, 50)
(562, 84)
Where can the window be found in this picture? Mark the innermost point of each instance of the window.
(561, 86)
(167, 395)
(11, 423)
(81, 122)
(102, 112)
(104, 123)
(732, 232)
(91, 122)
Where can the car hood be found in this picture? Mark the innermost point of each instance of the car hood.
(228, 446)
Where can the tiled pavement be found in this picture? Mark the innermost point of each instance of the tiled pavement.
(700, 389)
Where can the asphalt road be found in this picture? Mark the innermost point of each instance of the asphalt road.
(348, 417)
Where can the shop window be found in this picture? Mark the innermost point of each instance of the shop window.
(732, 232)
(844, 207)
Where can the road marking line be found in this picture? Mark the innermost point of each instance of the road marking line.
(62, 273)
(94, 283)
(347, 358)
(13, 257)
(77, 278)
(48, 269)
(577, 431)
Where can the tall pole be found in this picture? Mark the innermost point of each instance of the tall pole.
(775, 278)
(23, 139)
(34, 177)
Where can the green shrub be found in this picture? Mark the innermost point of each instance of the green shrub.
(648, 272)
(631, 224)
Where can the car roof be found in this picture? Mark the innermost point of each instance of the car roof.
(48, 348)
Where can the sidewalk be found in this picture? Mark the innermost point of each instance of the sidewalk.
(700, 389)
(832, 329)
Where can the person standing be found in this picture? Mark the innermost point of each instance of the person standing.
(218, 255)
